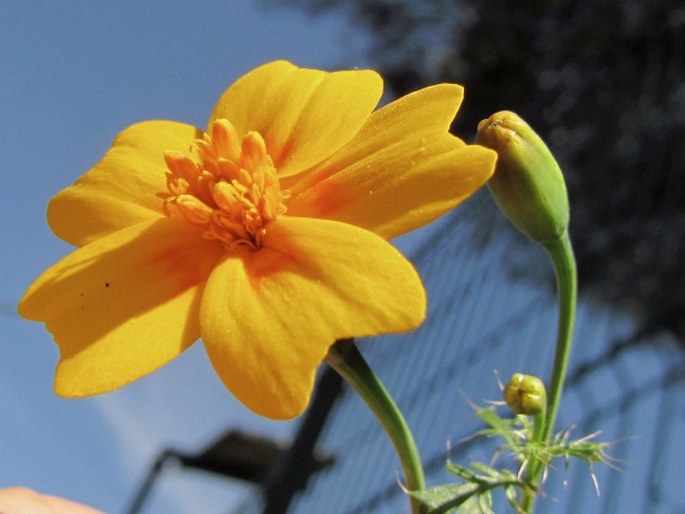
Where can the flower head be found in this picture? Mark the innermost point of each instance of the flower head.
(265, 235)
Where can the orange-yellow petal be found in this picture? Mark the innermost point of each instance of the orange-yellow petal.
(124, 305)
(401, 171)
(119, 191)
(269, 316)
(304, 115)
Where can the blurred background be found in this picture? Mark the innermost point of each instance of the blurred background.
(602, 82)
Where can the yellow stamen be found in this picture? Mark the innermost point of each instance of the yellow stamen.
(230, 191)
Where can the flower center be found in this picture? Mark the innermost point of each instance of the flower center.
(230, 190)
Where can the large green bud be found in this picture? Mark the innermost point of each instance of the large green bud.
(528, 185)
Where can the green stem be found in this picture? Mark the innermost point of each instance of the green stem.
(345, 358)
(564, 262)
(539, 425)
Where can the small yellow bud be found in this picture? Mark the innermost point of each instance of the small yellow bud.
(528, 185)
(525, 394)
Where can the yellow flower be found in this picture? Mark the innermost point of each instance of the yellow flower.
(264, 236)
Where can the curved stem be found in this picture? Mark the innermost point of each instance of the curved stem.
(345, 358)
(561, 254)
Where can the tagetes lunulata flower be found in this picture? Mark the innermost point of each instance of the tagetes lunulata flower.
(265, 235)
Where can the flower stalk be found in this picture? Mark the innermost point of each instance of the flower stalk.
(344, 357)
(563, 260)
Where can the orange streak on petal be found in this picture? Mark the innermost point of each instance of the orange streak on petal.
(180, 263)
(281, 151)
(326, 200)
(263, 264)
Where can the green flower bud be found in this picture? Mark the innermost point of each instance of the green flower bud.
(528, 185)
(525, 394)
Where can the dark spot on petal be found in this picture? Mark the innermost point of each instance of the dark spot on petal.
(106, 284)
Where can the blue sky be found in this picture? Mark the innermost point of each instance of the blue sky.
(73, 75)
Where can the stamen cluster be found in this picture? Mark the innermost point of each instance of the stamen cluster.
(231, 189)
